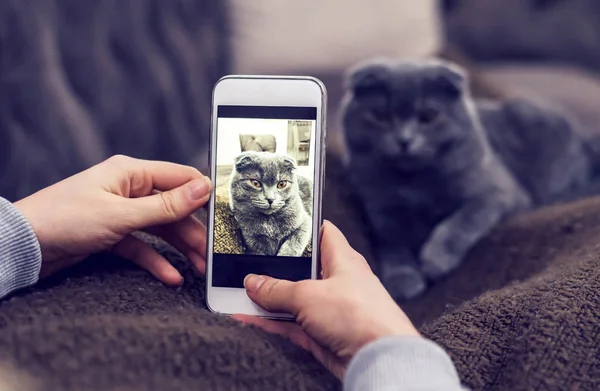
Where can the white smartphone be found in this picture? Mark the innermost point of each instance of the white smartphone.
(267, 163)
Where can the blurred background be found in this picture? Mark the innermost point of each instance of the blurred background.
(83, 80)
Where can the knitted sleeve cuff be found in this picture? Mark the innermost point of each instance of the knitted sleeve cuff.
(20, 253)
(401, 363)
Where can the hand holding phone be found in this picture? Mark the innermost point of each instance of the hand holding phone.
(336, 316)
(267, 163)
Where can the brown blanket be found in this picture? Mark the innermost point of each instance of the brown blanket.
(106, 325)
(539, 328)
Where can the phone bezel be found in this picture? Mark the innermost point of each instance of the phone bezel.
(258, 90)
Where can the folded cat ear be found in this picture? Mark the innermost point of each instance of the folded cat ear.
(368, 78)
(289, 163)
(244, 160)
(450, 79)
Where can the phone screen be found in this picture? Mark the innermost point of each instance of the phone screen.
(264, 192)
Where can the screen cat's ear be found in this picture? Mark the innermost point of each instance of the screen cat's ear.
(244, 160)
(368, 78)
(450, 79)
(289, 163)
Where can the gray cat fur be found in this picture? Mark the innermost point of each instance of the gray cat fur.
(432, 185)
(282, 228)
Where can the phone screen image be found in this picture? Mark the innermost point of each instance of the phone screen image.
(264, 193)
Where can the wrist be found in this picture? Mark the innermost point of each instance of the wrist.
(396, 323)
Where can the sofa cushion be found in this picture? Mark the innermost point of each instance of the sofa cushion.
(323, 35)
(559, 31)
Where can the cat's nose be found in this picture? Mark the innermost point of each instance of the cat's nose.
(404, 145)
(404, 140)
(270, 201)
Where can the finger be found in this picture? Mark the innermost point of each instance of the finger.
(169, 206)
(197, 260)
(140, 253)
(291, 331)
(188, 236)
(336, 253)
(191, 232)
(272, 294)
(288, 330)
(144, 176)
(163, 232)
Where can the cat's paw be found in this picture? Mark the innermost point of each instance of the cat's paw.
(290, 252)
(404, 283)
(437, 260)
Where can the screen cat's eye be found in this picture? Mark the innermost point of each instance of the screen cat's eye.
(282, 184)
(428, 116)
(255, 183)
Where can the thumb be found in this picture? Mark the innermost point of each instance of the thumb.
(272, 294)
(169, 206)
(336, 253)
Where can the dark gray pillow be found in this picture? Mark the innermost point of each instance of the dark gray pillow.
(81, 81)
(558, 30)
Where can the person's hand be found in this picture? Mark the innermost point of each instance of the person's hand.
(98, 209)
(335, 316)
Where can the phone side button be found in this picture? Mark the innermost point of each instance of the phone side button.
(324, 165)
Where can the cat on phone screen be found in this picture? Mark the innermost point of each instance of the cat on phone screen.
(271, 204)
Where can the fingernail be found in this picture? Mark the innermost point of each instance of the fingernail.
(198, 188)
(252, 282)
(181, 282)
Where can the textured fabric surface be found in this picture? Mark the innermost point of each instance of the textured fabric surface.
(538, 326)
(83, 80)
(401, 363)
(228, 239)
(19, 250)
(106, 325)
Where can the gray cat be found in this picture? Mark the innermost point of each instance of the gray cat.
(436, 173)
(272, 205)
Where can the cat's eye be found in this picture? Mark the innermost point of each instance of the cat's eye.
(379, 116)
(255, 183)
(282, 184)
(428, 116)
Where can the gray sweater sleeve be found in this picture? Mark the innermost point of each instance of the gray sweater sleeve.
(402, 364)
(20, 253)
